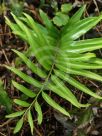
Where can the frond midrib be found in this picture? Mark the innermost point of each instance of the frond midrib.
(47, 79)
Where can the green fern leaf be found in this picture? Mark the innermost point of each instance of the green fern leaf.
(18, 126)
(51, 102)
(15, 114)
(21, 103)
(39, 111)
(24, 90)
(30, 121)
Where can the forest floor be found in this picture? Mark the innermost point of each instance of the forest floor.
(53, 124)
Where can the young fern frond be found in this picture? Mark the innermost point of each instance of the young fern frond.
(61, 56)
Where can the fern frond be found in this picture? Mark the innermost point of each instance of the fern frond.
(61, 56)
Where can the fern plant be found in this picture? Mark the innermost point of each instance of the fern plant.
(61, 56)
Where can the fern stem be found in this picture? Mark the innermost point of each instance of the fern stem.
(42, 88)
(46, 81)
